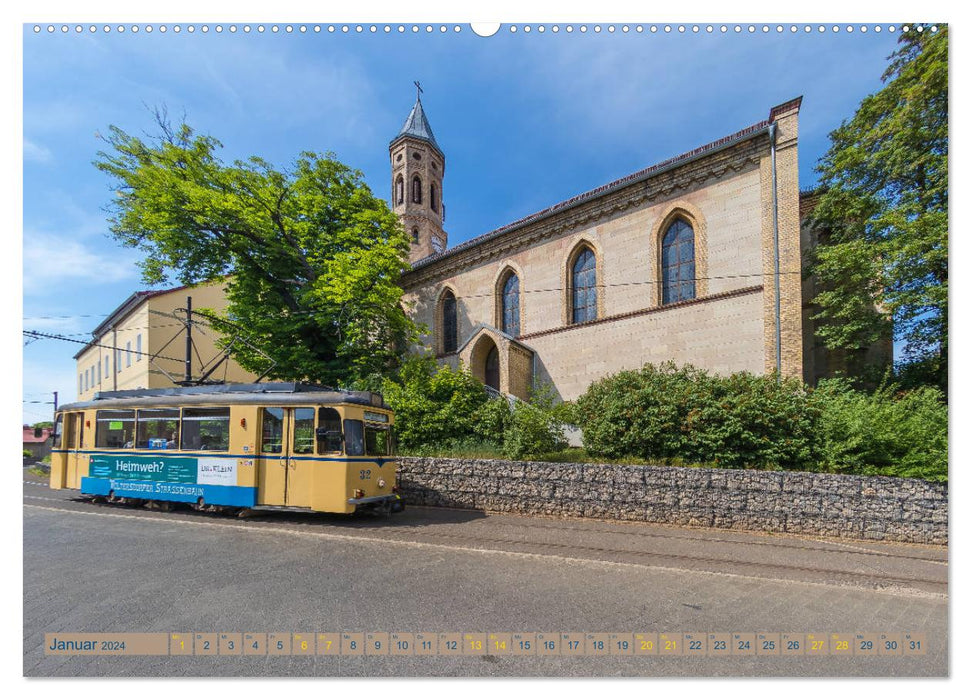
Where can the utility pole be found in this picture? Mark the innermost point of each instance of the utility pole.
(55, 402)
(188, 339)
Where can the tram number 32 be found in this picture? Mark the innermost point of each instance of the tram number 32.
(365, 474)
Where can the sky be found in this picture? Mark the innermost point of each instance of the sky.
(525, 120)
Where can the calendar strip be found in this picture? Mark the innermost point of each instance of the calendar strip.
(660, 644)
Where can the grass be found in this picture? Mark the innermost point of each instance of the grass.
(569, 455)
(37, 471)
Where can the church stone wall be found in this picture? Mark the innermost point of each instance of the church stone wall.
(723, 334)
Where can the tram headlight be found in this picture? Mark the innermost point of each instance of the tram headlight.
(381, 483)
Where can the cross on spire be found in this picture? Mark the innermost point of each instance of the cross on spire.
(418, 85)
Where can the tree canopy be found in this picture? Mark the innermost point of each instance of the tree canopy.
(882, 262)
(310, 257)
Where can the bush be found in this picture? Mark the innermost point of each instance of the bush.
(889, 432)
(441, 410)
(534, 428)
(433, 405)
(669, 414)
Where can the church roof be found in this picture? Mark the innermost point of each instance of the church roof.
(417, 126)
(747, 133)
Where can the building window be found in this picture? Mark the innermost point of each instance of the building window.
(433, 197)
(80, 382)
(416, 190)
(128, 354)
(414, 235)
(86, 380)
(449, 323)
(399, 190)
(138, 348)
(510, 305)
(107, 367)
(678, 262)
(584, 287)
(99, 373)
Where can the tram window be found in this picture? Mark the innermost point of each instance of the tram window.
(354, 437)
(114, 429)
(205, 429)
(377, 441)
(158, 429)
(58, 427)
(271, 440)
(329, 431)
(303, 431)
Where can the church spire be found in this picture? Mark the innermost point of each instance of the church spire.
(417, 171)
(416, 125)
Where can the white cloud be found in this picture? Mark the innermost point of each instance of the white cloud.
(36, 153)
(52, 262)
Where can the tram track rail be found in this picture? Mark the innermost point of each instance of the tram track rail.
(875, 576)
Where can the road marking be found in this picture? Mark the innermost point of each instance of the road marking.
(900, 592)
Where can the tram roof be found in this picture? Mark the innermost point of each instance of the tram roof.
(257, 393)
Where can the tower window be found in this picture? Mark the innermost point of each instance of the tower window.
(399, 190)
(449, 323)
(510, 305)
(414, 235)
(584, 278)
(433, 197)
(678, 262)
(416, 190)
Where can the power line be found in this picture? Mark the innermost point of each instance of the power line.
(52, 336)
(523, 291)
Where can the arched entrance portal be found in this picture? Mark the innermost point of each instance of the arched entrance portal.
(492, 368)
(485, 363)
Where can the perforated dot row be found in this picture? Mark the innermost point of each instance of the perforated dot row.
(428, 28)
(711, 29)
(246, 28)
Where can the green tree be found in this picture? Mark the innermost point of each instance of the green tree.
(310, 256)
(882, 258)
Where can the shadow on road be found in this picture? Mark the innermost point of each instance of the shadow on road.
(412, 517)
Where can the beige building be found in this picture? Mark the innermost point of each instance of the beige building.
(697, 259)
(141, 345)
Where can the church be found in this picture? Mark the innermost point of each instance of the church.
(698, 259)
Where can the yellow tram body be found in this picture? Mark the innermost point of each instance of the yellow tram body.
(259, 446)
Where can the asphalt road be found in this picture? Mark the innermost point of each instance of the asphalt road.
(101, 568)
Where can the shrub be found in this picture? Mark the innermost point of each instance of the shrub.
(668, 413)
(672, 414)
(433, 405)
(441, 410)
(534, 428)
(887, 432)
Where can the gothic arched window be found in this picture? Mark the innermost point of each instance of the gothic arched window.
(449, 323)
(510, 305)
(433, 197)
(678, 262)
(416, 190)
(584, 286)
(414, 235)
(399, 190)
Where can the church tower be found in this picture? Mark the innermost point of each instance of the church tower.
(417, 170)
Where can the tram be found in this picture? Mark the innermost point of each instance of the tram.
(229, 447)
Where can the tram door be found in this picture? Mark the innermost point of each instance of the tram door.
(287, 441)
(73, 443)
